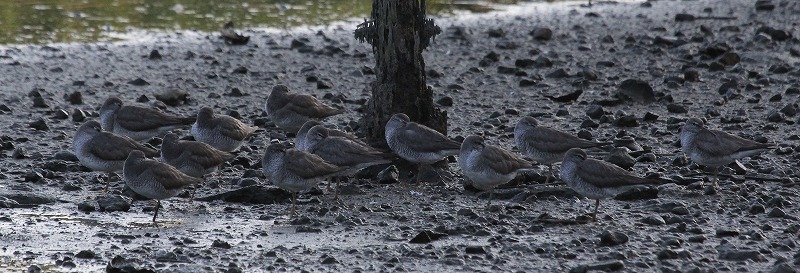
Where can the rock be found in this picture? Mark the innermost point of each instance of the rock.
(154, 55)
(253, 195)
(426, 236)
(220, 244)
(445, 101)
(764, 5)
(40, 125)
(61, 114)
(475, 250)
(239, 70)
(789, 110)
(20, 153)
(558, 73)
(173, 96)
(138, 82)
(8, 203)
(324, 84)
(626, 121)
(654, 220)
(776, 213)
(87, 206)
(542, 33)
(75, 98)
(507, 70)
(783, 268)
(85, 254)
(120, 264)
(390, 175)
(715, 50)
(78, 115)
(489, 59)
(691, 75)
(27, 198)
(39, 102)
(507, 44)
(741, 255)
(542, 62)
(729, 59)
(66, 156)
(636, 90)
(111, 202)
(775, 116)
(595, 111)
(675, 108)
(612, 238)
(524, 63)
(605, 266)
(619, 156)
(727, 233)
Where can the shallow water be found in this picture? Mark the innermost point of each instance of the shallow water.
(56, 21)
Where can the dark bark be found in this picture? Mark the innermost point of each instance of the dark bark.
(398, 33)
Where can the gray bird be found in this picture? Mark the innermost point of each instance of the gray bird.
(489, 166)
(104, 151)
(153, 179)
(223, 132)
(291, 111)
(716, 148)
(545, 145)
(417, 143)
(138, 123)
(294, 170)
(598, 179)
(343, 152)
(193, 158)
(301, 142)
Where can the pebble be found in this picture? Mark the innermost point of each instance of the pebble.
(605, 266)
(542, 33)
(619, 156)
(112, 202)
(612, 238)
(426, 236)
(741, 255)
(445, 101)
(75, 98)
(654, 220)
(154, 55)
(121, 264)
(138, 82)
(220, 244)
(173, 96)
(40, 124)
(636, 90)
(61, 114)
(390, 175)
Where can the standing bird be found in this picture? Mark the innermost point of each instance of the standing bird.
(153, 179)
(545, 145)
(343, 152)
(716, 148)
(136, 122)
(104, 151)
(193, 158)
(223, 132)
(291, 111)
(417, 143)
(301, 140)
(598, 179)
(294, 170)
(489, 166)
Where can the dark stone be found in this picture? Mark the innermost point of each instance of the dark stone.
(612, 238)
(715, 50)
(154, 55)
(775, 116)
(654, 220)
(558, 73)
(121, 264)
(240, 70)
(390, 175)
(324, 84)
(620, 157)
(595, 111)
(527, 83)
(27, 198)
(789, 110)
(542, 62)
(110, 202)
(741, 255)
(507, 70)
(475, 250)
(138, 82)
(542, 33)
(61, 114)
(764, 5)
(173, 97)
(675, 108)
(75, 98)
(729, 59)
(426, 236)
(85, 254)
(252, 195)
(649, 116)
(8, 203)
(626, 121)
(727, 233)
(605, 266)
(39, 102)
(524, 63)
(20, 153)
(691, 75)
(220, 244)
(40, 124)
(637, 90)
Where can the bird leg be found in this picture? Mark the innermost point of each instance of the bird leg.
(716, 177)
(108, 181)
(336, 192)
(294, 202)
(491, 196)
(594, 214)
(549, 173)
(155, 213)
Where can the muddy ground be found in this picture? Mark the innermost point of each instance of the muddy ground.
(739, 73)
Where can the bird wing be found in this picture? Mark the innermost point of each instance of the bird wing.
(233, 128)
(168, 176)
(308, 165)
(503, 161)
(602, 174)
(309, 106)
(136, 118)
(108, 146)
(205, 155)
(555, 141)
(719, 143)
(344, 152)
(426, 140)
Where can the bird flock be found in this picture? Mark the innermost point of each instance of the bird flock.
(320, 153)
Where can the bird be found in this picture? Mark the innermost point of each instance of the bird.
(104, 151)
(342, 151)
(154, 179)
(223, 132)
(193, 158)
(489, 166)
(301, 142)
(291, 111)
(294, 170)
(417, 143)
(716, 148)
(136, 122)
(545, 145)
(596, 179)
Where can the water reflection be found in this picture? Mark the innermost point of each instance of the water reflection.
(47, 21)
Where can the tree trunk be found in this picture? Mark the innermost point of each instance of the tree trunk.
(398, 33)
